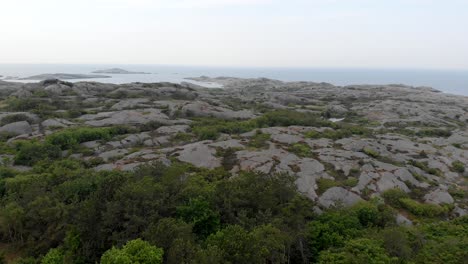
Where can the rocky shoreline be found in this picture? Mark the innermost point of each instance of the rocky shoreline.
(389, 136)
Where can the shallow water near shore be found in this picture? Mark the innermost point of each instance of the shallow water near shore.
(455, 82)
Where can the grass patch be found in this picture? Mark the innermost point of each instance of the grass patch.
(300, 149)
(458, 166)
(423, 165)
(259, 140)
(69, 138)
(325, 184)
(211, 128)
(342, 131)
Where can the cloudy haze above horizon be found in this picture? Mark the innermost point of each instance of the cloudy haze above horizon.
(247, 33)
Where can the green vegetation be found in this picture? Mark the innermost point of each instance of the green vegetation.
(135, 251)
(30, 152)
(399, 199)
(14, 118)
(458, 166)
(69, 138)
(301, 150)
(342, 131)
(182, 137)
(259, 140)
(211, 128)
(61, 212)
(370, 152)
(423, 165)
(325, 184)
(420, 209)
(434, 132)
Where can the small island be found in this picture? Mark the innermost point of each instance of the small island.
(64, 76)
(118, 71)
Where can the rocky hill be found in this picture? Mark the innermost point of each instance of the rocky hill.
(344, 144)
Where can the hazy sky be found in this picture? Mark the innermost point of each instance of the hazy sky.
(276, 33)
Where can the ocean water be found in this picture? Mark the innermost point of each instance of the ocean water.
(454, 82)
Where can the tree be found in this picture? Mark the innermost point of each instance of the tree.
(54, 256)
(236, 245)
(270, 243)
(357, 251)
(198, 212)
(135, 251)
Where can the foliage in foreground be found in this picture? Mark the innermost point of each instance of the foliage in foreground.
(61, 212)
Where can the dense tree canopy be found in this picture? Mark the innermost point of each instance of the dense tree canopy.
(62, 212)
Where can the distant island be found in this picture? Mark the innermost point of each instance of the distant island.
(118, 71)
(64, 76)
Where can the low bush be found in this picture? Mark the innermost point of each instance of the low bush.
(325, 184)
(434, 132)
(458, 166)
(351, 182)
(419, 209)
(30, 152)
(68, 138)
(292, 118)
(182, 137)
(393, 197)
(211, 128)
(370, 152)
(342, 131)
(423, 165)
(259, 140)
(301, 150)
(14, 118)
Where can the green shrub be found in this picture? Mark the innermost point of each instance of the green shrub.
(425, 167)
(341, 131)
(135, 251)
(68, 138)
(211, 128)
(5, 136)
(182, 137)
(419, 209)
(259, 140)
(292, 118)
(434, 132)
(301, 150)
(393, 197)
(14, 118)
(351, 182)
(325, 184)
(30, 152)
(370, 152)
(458, 166)
(206, 133)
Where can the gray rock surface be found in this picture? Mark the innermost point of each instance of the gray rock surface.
(17, 128)
(406, 131)
(337, 196)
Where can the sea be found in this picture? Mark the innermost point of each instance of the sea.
(448, 81)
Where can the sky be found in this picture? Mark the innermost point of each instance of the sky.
(421, 34)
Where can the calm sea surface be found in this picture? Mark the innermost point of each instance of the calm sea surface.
(455, 82)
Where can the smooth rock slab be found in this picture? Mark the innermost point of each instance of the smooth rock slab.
(199, 155)
(438, 197)
(338, 196)
(17, 128)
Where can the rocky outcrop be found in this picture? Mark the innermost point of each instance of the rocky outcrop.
(337, 196)
(17, 128)
(415, 138)
(126, 117)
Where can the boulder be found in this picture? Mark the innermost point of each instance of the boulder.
(337, 196)
(200, 155)
(439, 196)
(17, 128)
